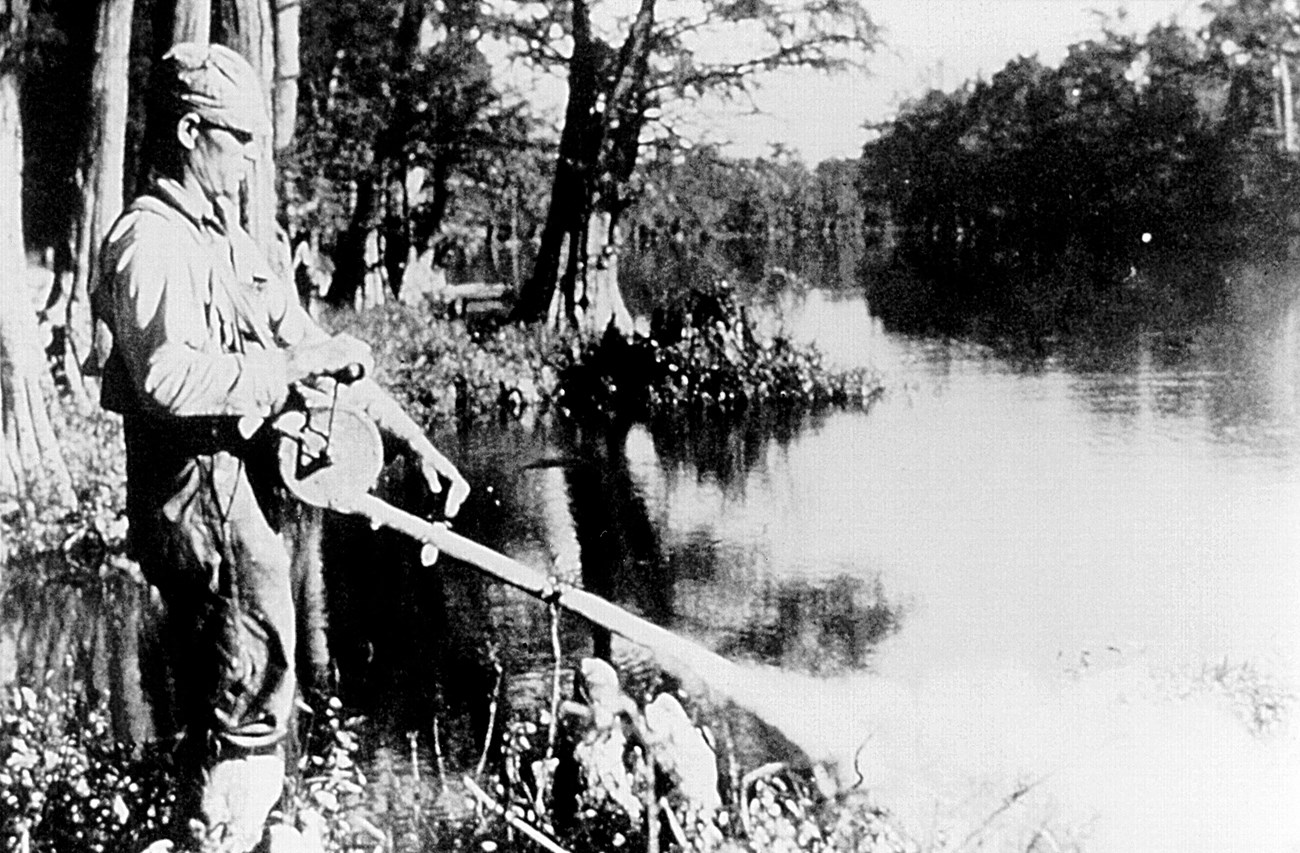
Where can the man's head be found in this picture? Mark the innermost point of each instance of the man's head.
(207, 117)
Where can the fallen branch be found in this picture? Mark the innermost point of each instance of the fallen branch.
(765, 771)
(538, 837)
(1010, 800)
(492, 713)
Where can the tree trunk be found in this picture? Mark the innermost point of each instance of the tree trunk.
(391, 159)
(370, 211)
(246, 26)
(1289, 142)
(516, 242)
(103, 161)
(123, 620)
(29, 453)
(192, 21)
(601, 301)
(598, 151)
(284, 86)
(571, 188)
(350, 253)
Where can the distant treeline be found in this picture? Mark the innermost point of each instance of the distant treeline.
(1053, 191)
(1039, 190)
(1127, 177)
(770, 221)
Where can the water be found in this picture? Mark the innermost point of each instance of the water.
(1014, 572)
(1054, 592)
(1141, 497)
(1133, 495)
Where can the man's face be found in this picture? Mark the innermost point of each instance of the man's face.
(221, 157)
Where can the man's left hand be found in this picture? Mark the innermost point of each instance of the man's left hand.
(435, 467)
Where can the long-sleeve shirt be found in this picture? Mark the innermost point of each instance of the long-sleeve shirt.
(199, 322)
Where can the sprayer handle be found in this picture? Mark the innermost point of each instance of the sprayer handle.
(349, 374)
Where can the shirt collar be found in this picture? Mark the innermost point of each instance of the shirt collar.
(195, 206)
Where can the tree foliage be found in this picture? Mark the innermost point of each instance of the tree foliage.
(399, 111)
(766, 220)
(1040, 185)
(623, 73)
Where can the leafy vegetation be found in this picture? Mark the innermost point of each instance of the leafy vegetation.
(67, 785)
(1046, 192)
(450, 373)
(703, 216)
(39, 530)
(703, 355)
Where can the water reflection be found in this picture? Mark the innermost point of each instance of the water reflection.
(824, 627)
(74, 627)
(726, 453)
(1237, 381)
(620, 548)
(1151, 462)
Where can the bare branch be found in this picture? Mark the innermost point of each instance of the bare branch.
(533, 39)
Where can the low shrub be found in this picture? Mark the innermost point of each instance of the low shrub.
(40, 530)
(66, 785)
(638, 790)
(703, 356)
(447, 373)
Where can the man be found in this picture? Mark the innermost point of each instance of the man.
(206, 345)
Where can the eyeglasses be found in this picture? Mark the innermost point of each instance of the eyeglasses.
(243, 137)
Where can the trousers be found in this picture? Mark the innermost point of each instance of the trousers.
(201, 508)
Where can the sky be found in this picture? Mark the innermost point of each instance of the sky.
(928, 44)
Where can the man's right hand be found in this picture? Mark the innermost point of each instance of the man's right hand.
(335, 355)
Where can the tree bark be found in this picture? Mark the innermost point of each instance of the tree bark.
(29, 454)
(598, 151)
(1287, 119)
(246, 26)
(601, 300)
(571, 188)
(284, 84)
(123, 620)
(350, 254)
(103, 161)
(191, 21)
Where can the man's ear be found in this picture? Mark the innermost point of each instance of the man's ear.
(187, 131)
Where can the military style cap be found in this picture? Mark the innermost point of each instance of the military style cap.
(215, 83)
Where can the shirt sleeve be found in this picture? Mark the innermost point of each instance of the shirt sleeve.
(294, 325)
(168, 338)
(289, 321)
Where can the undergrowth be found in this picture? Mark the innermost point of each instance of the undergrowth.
(66, 785)
(703, 357)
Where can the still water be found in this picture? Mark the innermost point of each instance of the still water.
(1132, 494)
(974, 576)
(1136, 494)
